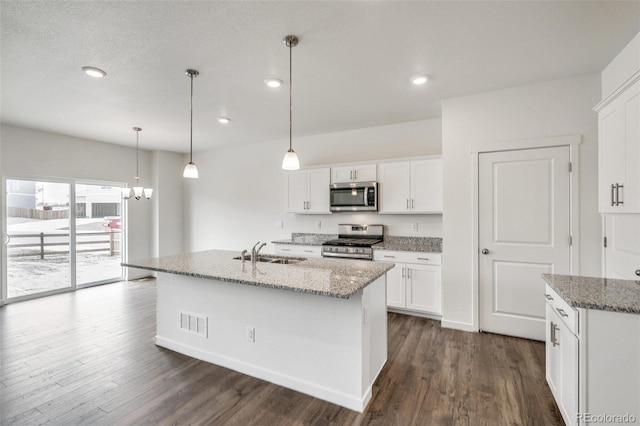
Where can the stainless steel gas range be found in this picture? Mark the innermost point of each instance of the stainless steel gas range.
(354, 241)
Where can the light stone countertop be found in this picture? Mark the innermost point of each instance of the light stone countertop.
(604, 294)
(341, 278)
(420, 244)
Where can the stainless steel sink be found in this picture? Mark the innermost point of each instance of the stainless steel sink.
(272, 259)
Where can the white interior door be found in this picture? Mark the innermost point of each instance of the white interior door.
(524, 231)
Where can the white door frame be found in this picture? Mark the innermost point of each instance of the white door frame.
(573, 142)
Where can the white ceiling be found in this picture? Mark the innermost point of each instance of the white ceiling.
(351, 68)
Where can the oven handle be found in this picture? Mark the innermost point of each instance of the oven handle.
(362, 256)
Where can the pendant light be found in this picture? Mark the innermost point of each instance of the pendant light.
(138, 191)
(290, 160)
(191, 171)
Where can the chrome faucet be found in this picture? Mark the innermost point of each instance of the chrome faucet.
(254, 252)
(243, 255)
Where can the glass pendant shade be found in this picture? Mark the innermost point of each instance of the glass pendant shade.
(290, 161)
(190, 171)
(126, 193)
(147, 193)
(137, 192)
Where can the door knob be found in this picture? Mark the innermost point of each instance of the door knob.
(485, 251)
(638, 272)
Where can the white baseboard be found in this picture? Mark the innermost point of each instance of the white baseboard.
(351, 402)
(464, 326)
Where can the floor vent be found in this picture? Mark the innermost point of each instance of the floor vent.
(194, 324)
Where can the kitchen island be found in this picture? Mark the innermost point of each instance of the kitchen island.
(317, 326)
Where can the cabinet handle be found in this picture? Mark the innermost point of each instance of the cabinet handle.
(407, 204)
(618, 202)
(613, 198)
(355, 175)
(389, 257)
(548, 296)
(284, 249)
(554, 329)
(409, 273)
(403, 272)
(308, 251)
(422, 258)
(562, 312)
(351, 175)
(413, 203)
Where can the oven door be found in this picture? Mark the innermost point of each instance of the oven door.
(350, 197)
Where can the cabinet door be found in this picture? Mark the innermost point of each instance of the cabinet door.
(423, 288)
(395, 286)
(568, 374)
(341, 174)
(552, 352)
(631, 191)
(394, 190)
(318, 191)
(426, 186)
(622, 254)
(611, 147)
(365, 173)
(296, 192)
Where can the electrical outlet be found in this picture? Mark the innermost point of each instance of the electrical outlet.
(318, 225)
(414, 226)
(251, 334)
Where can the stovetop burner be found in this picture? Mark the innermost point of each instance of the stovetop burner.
(354, 242)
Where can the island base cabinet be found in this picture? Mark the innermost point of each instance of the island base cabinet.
(326, 347)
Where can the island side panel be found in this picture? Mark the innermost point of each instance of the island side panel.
(375, 342)
(309, 343)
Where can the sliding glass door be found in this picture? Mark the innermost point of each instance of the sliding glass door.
(59, 236)
(37, 238)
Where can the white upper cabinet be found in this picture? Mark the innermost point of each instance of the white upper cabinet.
(619, 153)
(410, 186)
(357, 173)
(308, 191)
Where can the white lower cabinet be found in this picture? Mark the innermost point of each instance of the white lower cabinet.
(298, 250)
(592, 363)
(415, 282)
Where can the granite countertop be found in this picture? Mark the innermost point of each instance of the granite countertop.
(307, 239)
(421, 244)
(604, 294)
(341, 278)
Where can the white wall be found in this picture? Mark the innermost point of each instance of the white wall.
(528, 112)
(38, 154)
(240, 195)
(168, 203)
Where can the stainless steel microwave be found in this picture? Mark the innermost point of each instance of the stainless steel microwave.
(354, 197)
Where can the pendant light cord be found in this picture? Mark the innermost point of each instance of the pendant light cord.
(137, 172)
(290, 104)
(191, 125)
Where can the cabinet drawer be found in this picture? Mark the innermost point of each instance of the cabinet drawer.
(567, 314)
(298, 250)
(408, 257)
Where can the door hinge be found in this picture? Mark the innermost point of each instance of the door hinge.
(570, 166)
(570, 240)
(605, 242)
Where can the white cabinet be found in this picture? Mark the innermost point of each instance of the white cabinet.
(415, 282)
(410, 186)
(298, 250)
(622, 246)
(356, 173)
(592, 363)
(308, 191)
(562, 355)
(619, 152)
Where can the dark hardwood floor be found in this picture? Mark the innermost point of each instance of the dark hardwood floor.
(88, 358)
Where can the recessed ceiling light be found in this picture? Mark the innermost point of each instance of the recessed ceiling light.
(94, 72)
(224, 120)
(273, 82)
(419, 79)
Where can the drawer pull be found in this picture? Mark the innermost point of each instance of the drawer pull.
(423, 258)
(389, 257)
(285, 249)
(562, 312)
(548, 296)
(308, 251)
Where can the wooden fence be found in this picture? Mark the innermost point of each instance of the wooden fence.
(111, 243)
(37, 214)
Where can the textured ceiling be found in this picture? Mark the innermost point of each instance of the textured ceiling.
(351, 68)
